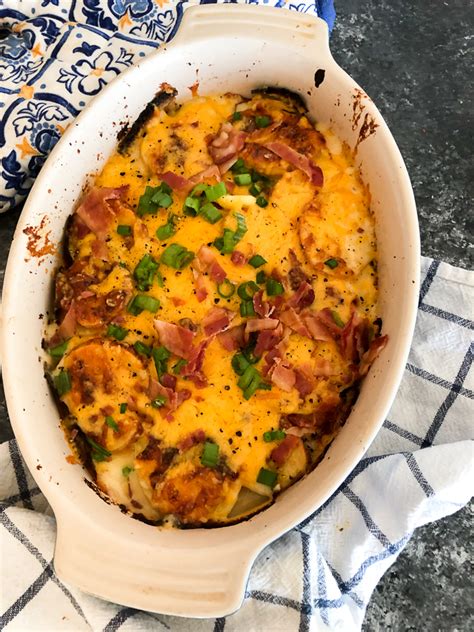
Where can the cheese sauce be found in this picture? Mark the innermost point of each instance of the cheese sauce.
(227, 378)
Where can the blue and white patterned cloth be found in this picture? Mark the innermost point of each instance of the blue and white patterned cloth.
(320, 575)
(57, 54)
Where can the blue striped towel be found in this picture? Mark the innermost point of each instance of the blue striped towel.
(321, 574)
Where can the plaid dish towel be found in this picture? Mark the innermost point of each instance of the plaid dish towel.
(320, 575)
(55, 55)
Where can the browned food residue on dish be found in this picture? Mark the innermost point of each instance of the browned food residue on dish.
(39, 243)
(368, 126)
(194, 88)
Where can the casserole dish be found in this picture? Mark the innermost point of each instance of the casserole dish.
(199, 573)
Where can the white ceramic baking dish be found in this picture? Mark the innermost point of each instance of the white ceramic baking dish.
(201, 572)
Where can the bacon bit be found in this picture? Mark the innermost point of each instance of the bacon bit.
(217, 320)
(304, 382)
(198, 436)
(303, 297)
(326, 318)
(175, 181)
(261, 307)
(226, 144)
(140, 230)
(238, 258)
(267, 339)
(298, 160)
(201, 289)
(178, 340)
(280, 454)
(284, 377)
(323, 418)
(210, 172)
(193, 369)
(323, 368)
(96, 212)
(259, 324)
(233, 338)
(173, 398)
(68, 324)
(371, 355)
(317, 330)
(294, 321)
(35, 235)
(177, 301)
(169, 381)
(208, 262)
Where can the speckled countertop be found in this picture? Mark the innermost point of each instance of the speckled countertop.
(414, 59)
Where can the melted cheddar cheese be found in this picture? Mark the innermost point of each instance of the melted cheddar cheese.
(168, 432)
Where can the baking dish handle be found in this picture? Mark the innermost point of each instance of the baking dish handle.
(296, 30)
(185, 573)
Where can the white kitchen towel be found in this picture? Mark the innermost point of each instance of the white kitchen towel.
(320, 575)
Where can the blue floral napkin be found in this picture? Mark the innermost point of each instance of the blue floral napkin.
(57, 54)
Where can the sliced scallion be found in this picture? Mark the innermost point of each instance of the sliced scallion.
(160, 356)
(191, 206)
(261, 277)
(239, 166)
(216, 191)
(247, 309)
(210, 454)
(58, 351)
(337, 319)
(142, 348)
(331, 263)
(142, 302)
(267, 477)
(62, 382)
(117, 332)
(256, 261)
(247, 290)
(99, 453)
(127, 470)
(262, 121)
(274, 287)
(176, 256)
(124, 230)
(111, 423)
(180, 364)
(226, 289)
(237, 116)
(123, 408)
(239, 363)
(261, 201)
(144, 272)
(210, 213)
(158, 402)
(243, 179)
(273, 435)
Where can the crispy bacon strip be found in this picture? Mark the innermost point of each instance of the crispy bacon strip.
(193, 369)
(303, 297)
(371, 355)
(268, 339)
(283, 376)
(227, 144)
(217, 320)
(280, 454)
(195, 437)
(175, 181)
(294, 321)
(233, 338)
(208, 263)
(95, 211)
(260, 324)
(178, 340)
(298, 160)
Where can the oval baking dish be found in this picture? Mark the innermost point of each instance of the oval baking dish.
(200, 573)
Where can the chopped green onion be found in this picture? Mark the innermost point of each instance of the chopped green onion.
(123, 408)
(161, 355)
(273, 435)
(256, 261)
(111, 423)
(59, 350)
(176, 256)
(216, 191)
(337, 319)
(158, 402)
(247, 309)
(247, 377)
(252, 388)
(237, 116)
(255, 189)
(124, 230)
(262, 121)
(243, 179)
(228, 243)
(261, 201)
(261, 277)
(99, 453)
(140, 302)
(247, 290)
(180, 364)
(267, 477)
(127, 470)
(62, 382)
(241, 227)
(274, 288)
(142, 348)
(191, 206)
(153, 198)
(239, 363)
(249, 355)
(210, 213)
(239, 166)
(166, 230)
(331, 263)
(144, 272)
(117, 332)
(226, 289)
(210, 454)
